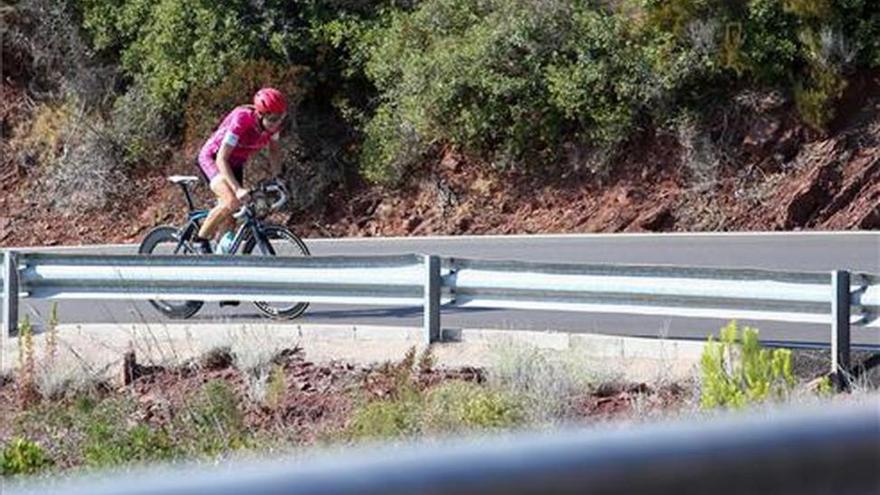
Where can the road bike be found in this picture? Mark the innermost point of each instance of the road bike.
(253, 236)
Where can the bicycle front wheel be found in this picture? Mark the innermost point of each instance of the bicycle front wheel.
(164, 240)
(279, 241)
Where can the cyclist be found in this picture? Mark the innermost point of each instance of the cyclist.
(242, 133)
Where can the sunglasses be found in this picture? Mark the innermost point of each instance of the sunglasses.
(274, 118)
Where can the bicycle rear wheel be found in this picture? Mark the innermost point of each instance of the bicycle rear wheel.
(281, 242)
(164, 240)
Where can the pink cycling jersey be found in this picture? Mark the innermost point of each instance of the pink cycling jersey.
(240, 129)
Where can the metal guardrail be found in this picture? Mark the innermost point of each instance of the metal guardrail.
(839, 298)
(339, 279)
(830, 451)
(701, 292)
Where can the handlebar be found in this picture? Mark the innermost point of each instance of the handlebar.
(274, 186)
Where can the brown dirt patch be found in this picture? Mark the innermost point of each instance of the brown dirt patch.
(317, 400)
(781, 176)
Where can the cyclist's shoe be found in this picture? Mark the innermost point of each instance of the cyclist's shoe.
(202, 246)
(229, 303)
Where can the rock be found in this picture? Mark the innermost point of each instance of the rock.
(659, 218)
(808, 193)
(413, 222)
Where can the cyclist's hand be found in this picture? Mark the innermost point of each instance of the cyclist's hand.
(242, 194)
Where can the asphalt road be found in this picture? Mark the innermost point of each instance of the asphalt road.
(819, 252)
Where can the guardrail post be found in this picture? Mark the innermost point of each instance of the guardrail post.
(840, 330)
(10, 293)
(432, 299)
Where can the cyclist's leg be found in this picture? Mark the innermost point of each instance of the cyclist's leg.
(229, 226)
(221, 214)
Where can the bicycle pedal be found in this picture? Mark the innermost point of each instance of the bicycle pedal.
(229, 303)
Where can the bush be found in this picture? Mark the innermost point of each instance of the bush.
(544, 387)
(38, 142)
(49, 56)
(109, 440)
(383, 419)
(75, 154)
(770, 42)
(90, 171)
(213, 421)
(461, 405)
(22, 456)
(601, 81)
(408, 409)
(736, 371)
(467, 73)
(171, 45)
(139, 127)
(815, 101)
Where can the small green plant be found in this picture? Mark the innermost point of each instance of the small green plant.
(545, 387)
(52, 335)
(27, 385)
(276, 388)
(824, 387)
(737, 371)
(396, 413)
(456, 405)
(391, 418)
(110, 444)
(109, 440)
(407, 409)
(214, 420)
(22, 456)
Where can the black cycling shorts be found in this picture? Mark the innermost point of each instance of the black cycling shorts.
(237, 172)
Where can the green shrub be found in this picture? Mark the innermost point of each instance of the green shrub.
(397, 413)
(276, 387)
(461, 405)
(110, 440)
(175, 46)
(466, 73)
(737, 371)
(172, 45)
(408, 409)
(139, 126)
(22, 456)
(391, 418)
(213, 421)
(824, 387)
(600, 80)
(815, 102)
(770, 42)
(110, 444)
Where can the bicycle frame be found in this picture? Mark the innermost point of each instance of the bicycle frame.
(250, 226)
(193, 224)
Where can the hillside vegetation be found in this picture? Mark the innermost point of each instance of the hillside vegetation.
(103, 96)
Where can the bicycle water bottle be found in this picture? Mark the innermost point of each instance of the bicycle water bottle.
(224, 245)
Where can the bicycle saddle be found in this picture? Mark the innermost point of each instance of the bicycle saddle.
(183, 179)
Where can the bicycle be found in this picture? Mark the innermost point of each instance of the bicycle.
(252, 233)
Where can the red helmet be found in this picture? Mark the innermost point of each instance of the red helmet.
(270, 100)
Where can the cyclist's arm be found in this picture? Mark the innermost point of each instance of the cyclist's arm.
(275, 156)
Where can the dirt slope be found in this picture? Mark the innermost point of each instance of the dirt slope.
(781, 177)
